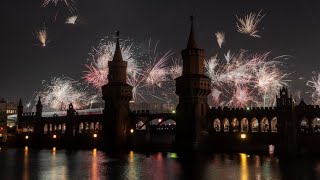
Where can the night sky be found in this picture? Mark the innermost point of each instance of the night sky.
(290, 27)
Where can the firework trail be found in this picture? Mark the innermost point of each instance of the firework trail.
(246, 78)
(314, 83)
(228, 57)
(241, 97)
(249, 24)
(70, 4)
(61, 91)
(157, 69)
(220, 38)
(42, 36)
(71, 19)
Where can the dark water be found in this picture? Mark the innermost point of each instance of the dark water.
(94, 164)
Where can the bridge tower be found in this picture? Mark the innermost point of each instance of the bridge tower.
(19, 110)
(287, 123)
(116, 94)
(39, 108)
(192, 87)
(38, 124)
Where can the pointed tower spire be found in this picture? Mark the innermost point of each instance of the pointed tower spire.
(39, 100)
(20, 102)
(117, 54)
(192, 44)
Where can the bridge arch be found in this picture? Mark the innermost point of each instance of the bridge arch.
(316, 125)
(45, 128)
(254, 125)
(226, 125)
(244, 125)
(264, 125)
(304, 125)
(235, 125)
(64, 127)
(274, 125)
(217, 125)
(81, 127)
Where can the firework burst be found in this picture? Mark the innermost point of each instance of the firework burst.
(71, 19)
(61, 91)
(246, 78)
(97, 71)
(220, 38)
(314, 83)
(157, 69)
(42, 36)
(249, 24)
(70, 4)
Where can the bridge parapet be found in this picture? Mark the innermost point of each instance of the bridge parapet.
(28, 114)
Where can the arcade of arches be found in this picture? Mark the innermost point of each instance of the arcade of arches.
(245, 125)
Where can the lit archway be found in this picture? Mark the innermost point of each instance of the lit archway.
(45, 129)
(274, 125)
(316, 125)
(254, 125)
(64, 127)
(217, 125)
(235, 125)
(264, 125)
(226, 125)
(96, 128)
(91, 127)
(86, 127)
(304, 125)
(81, 127)
(244, 125)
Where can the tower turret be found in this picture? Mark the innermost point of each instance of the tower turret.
(192, 87)
(116, 94)
(19, 110)
(39, 108)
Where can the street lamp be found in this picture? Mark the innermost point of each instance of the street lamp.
(54, 136)
(27, 137)
(95, 135)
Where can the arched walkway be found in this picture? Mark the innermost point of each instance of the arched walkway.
(254, 125)
(274, 125)
(244, 125)
(217, 125)
(264, 125)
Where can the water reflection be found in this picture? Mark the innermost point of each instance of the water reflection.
(94, 165)
(54, 163)
(25, 175)
(244, 167)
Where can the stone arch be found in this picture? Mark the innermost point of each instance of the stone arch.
(64, 127)
(59, 127)
(274, 125)
(96, 127)
(81, 127)
(140, 125)
(264, 125)
(316, 125)
(86, 127)
(45, 128)
(217, 125)
(304, 125)
(254, 125)
(226, 125)
(244, 125)
(91, 128)
(235, 125)
(50, 128)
